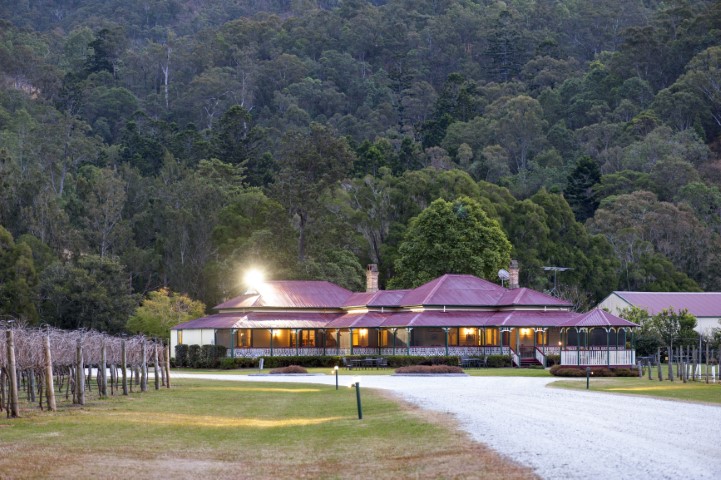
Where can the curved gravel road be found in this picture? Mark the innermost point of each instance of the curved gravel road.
(564, 434)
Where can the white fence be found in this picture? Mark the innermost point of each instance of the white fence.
(598, 358)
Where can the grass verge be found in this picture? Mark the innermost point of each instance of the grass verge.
(217, 429)
(691, 391)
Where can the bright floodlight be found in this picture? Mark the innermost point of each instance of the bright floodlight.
(253, 278)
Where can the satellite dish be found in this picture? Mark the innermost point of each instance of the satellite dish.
(504, 276)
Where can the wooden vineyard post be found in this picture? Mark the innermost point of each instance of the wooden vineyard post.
(156, 370)
(167, 366)
(103, 368)
(144, 369)
(49, 387)
(13, 407)
(684, 365)
(124, 366)
(79, 373)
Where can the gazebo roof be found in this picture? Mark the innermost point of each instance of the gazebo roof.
(597, 318)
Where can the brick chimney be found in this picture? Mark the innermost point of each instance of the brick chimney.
(372, 278)
(513, 274)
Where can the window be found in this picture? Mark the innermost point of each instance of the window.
(180, 337)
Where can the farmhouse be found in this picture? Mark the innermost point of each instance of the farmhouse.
(705, 306)
(452, 315)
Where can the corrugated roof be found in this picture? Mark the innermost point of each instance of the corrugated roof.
(259, 320)
(528, 297)
(452, 290)
(597, 318)
(359, 320)
(428, 318)
(291, 294)
(698, 304)
(387, 298)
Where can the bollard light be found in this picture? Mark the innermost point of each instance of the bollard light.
(336, 376)
(588, 377)
(358, 397)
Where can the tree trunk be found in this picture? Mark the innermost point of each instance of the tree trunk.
(13, 402)
(670, 362)
(660, 369)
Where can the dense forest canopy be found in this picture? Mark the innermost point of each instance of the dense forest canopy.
(148, 144)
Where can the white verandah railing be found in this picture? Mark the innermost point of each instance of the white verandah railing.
(600, 357)
(399, 350)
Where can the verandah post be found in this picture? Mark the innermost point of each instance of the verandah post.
(608, 347)
(351, 340)
(445, 336)
(408, 341)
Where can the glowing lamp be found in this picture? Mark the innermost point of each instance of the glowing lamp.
(253, 278)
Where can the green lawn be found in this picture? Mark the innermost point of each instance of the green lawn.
(677, 390)
(218, 429)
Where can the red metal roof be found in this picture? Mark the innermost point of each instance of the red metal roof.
(597, 318)
(698, 304)
(259, 320)
(387, 298)
(428, 318)
(291, 294)
(455, 290)
(528, 297)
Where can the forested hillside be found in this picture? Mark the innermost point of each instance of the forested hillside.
(172, 143)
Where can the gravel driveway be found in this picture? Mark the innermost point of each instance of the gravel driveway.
(564, 433)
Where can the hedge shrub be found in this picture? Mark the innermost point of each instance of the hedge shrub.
(499, 361)
(289, 369)
(430, 369)
(571, 371)
(181, 355)
(552, 360)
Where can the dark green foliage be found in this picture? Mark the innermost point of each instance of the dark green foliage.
(499, 361)
(430, 369)
(451, 237)
(90, 292)
(181, 355)
(552, 360)
(571, 371)
(195, 360)
(511, 93)
(579, 191)
(211, 355)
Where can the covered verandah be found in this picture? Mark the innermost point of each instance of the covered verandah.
(598, 338)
